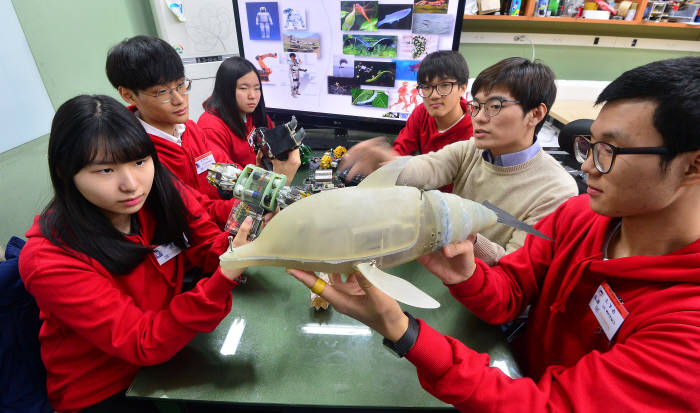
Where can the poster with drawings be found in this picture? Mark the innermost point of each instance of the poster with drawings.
(416, 46)
(293, 19)
(405, 98)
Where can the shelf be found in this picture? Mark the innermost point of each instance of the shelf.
(572, 25)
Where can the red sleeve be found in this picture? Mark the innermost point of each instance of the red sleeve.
(217, 140)
(656, 369)
(217, 210)
(270, 124)
(501, 293)
(86, 299)
(406, 142)
(206, 241)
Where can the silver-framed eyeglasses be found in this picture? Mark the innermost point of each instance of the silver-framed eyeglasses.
(492, 106)
(164, 95)
(604, 153)
(443, 89)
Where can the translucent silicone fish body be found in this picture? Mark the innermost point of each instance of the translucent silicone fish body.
(373, 226)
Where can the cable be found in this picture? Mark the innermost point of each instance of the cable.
(522, 37)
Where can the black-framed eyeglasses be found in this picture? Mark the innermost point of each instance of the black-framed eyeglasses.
(164, 95)
(492, 106)
(604, 153)
(443, 89)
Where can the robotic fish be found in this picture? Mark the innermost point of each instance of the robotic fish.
(367, 228)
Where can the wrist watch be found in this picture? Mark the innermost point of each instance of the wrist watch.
(407, 340)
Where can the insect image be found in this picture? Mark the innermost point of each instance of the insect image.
(370, 45)
(375, 73)
(358, 15)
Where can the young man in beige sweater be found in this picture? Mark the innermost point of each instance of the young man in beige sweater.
(503, 163)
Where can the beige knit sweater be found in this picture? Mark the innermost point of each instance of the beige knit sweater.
(528, 191)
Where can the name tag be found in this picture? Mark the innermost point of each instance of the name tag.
(203, 162)
(165, 253)
(608, 310)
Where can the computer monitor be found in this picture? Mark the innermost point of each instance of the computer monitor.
(344, 64)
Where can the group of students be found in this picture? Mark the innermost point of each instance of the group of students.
(132, 213)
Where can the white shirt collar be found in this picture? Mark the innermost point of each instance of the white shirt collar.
(451, 126)
(177, 138)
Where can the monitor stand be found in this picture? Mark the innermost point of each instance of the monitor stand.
(319, 139)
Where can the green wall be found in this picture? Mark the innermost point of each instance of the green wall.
(571, 63)
(69, 41)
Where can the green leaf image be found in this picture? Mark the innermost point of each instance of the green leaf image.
(381, 101)
(360, 96)
(370, 25)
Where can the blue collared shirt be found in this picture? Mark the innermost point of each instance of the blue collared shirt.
(512, 159)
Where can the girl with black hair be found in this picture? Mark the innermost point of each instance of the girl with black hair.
(105, 259)
(235, 107)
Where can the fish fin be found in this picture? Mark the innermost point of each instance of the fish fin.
(395, 287)
(511, 221)
(386, 176)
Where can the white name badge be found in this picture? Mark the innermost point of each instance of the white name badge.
(203, 162)
(165, 253)
(608, 310)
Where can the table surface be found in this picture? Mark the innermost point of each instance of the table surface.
(274, 349)
(566, 111)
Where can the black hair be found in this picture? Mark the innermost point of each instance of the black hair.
(443, 64)
(292, 54)
(83, 128)
(531, 83)
(141, 62)
(222, 101)
(674, 85)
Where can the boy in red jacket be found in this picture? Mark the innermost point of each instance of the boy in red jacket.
(614, 323)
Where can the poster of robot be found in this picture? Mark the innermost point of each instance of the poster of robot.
(263, 20)
(293, 19)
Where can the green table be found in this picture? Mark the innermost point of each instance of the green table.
(274, 350)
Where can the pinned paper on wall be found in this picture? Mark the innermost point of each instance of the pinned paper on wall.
(25, 108)
(177, 8)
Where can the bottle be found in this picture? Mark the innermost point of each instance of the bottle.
(553, 7)
(542, 7)
(515, 8)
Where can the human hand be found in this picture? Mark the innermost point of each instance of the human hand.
(358, 298)
(289, 166)
(366, 156)
(240, 239)
(452, 264)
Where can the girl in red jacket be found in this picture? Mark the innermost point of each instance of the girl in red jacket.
(105, 259)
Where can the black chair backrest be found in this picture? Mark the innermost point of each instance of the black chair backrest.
(571, 129)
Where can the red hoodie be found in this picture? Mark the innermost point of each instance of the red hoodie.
(421, 135)
(652, 364)
(99, 328)
(180, 160)
(221, 137)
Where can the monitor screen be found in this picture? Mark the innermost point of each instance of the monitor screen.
(344, 64)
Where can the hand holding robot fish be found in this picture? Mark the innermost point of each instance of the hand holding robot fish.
(374, 226)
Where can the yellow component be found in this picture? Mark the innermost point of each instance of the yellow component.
(325, 162)
(339, 151)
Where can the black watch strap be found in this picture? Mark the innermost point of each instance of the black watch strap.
(407, 340)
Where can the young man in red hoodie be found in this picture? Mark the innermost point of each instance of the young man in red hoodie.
(150, 76)
(614, 323)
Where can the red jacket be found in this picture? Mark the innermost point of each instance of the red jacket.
(420, 135)
(180, 160)
(221, 137)
(652, 364)
(99, 328)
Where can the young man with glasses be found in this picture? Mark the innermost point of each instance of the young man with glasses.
(503, 163)
(150, 76)
(615, 319)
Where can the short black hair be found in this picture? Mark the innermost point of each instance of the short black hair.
(141, 62)
(222, 102)
(531, 83)
(292, 54)
(674, 85)
(444, 64)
